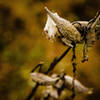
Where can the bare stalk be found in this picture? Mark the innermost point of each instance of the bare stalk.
(51, 67)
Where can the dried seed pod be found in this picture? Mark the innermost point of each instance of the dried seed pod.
(80, 26)
(94, 22)
(79, 88)
(43, 79)
(57, 82)
(65, 28)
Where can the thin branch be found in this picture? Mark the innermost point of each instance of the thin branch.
(57, 60)
(74, 72)
(32, 92)
(39, 65)
(51, 67)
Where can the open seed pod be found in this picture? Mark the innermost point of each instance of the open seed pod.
(57, 82)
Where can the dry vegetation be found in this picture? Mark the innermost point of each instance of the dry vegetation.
(22, 46)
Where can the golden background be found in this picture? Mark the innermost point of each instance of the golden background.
(22, 46)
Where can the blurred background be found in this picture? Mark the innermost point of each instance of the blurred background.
(22, 46)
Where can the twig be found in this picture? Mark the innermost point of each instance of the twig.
(36, 86)
(51, 67)
(57, 60)
(32, 92)
(39, 65)
(74, 72)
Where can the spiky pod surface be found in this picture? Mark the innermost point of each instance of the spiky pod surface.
(74, 31)
(65, 28)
